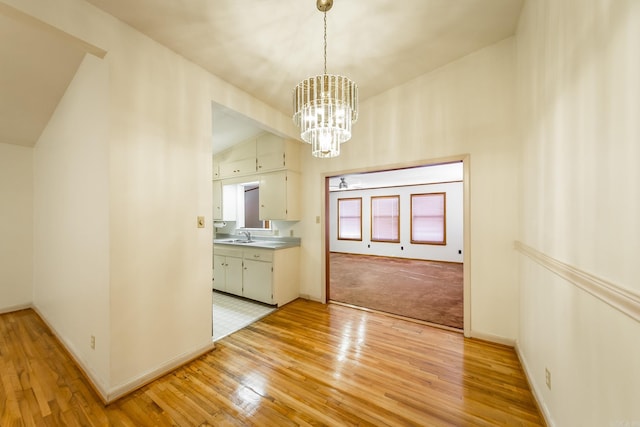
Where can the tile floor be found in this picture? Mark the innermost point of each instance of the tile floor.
(231, 314)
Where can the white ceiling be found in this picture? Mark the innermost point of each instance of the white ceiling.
(266, 47)
(36, 66)
(447, 172)
(263, 47)
(230, 127)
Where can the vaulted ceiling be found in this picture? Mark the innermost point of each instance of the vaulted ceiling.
(36, 67)
(267, 47)
(263, 47)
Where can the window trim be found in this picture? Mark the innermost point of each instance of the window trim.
(396, 197)
(444, 220)
(360, 218)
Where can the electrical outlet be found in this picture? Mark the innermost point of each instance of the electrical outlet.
(547, 378)
(93, 342)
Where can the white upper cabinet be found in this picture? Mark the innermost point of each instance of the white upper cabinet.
(276, 153)
(274, 162)
(216, 167)
(238, 168)
(238, 161)
(279, 196)
(264, 153)
(217, 200)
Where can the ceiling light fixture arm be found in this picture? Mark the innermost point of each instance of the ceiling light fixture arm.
(325, 42)
(324, 6)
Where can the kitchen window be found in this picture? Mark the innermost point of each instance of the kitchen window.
(350, 219)
(428, 218)
(385, 219)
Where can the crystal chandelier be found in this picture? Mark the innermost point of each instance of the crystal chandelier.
(325, 107)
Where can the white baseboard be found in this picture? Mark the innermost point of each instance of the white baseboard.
(310, 298)
(94, 382)
(160, 371)
(13, 308)
(492, 338)
(115, 393)
(534, 389)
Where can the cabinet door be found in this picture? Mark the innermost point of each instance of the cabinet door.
(270, 152)
(273, 196)
(238, 168)
(234, 275)
(258, 281)
(219, 272)
(279, 199)
(216, 167)
(217, 200)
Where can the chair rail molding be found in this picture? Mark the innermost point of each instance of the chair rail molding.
(616, 296)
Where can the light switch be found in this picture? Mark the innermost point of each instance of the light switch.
(200, 222)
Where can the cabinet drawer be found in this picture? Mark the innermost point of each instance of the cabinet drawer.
(258, 254)
(225, 250)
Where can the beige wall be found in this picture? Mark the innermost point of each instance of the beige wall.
(16, 227)
(121, 174)
(579, 92)
(160, 181)
(464, 107)
(71, 210)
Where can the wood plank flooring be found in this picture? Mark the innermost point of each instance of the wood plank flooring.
(305, 364)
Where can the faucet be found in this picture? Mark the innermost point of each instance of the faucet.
(248, 235)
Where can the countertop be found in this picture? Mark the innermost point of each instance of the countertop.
(258, 242)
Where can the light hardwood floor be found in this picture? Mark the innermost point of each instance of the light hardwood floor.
(305, 364)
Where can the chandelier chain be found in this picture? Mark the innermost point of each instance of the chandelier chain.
(325, 42)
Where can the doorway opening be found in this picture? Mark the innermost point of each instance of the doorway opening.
(395, 241)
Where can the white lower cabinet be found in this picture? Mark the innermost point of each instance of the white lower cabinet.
(266, 275)
(257, 281)
(234, 275)
(227, 270)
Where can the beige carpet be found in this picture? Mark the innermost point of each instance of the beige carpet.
(424, 290)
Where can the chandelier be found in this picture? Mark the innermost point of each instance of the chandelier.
(325, 107)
